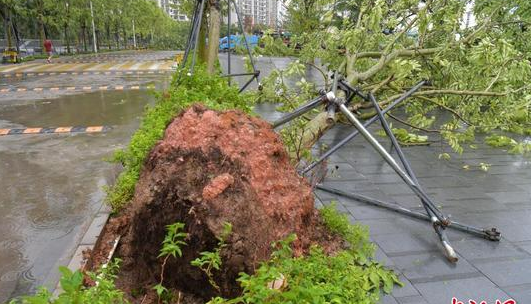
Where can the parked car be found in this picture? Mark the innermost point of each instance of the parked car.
(237, 41)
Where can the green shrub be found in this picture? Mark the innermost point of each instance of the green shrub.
(350, 276)
(73, 291)
(212, 91)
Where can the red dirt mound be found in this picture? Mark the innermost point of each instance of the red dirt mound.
(211, 168)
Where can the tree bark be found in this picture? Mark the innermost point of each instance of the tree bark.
(313, 130)
(84, 35)
(213, 36)
(67, 39)
(202, 49)
(125, 37)
(108, 29)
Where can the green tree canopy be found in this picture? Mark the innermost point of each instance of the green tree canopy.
(476, 54)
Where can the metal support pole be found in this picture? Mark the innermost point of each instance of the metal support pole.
(247, 83)
(240, 25)
(426, 201)
(190, 35)
(450, 253)
(489, 234)
(303, 109)
(197, 30)
(228, 38)
(366, 124)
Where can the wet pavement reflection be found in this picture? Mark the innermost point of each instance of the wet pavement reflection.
(52, 184)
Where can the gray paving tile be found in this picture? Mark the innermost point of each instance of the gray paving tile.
(390, 178)
(521, 293)
(396, 189)
(478, 289)
(387, 299)
(443, 194)
(381, 257)
(398, 224)
(507, 272)
(526, 246)
(343, 172)
(363, 211)
(433, 267)
(411, 300)
(444, 182)
(478, 249)
(408, 290)
(509, 196)
(403, 243)
(516, 232)
(351, 186)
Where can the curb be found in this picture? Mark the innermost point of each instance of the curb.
(87, 242)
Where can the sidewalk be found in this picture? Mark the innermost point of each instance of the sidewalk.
(498, 198)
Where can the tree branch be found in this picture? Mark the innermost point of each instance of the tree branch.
(412, 126)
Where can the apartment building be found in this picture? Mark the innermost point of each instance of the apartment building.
(171, 7)
(264, 12)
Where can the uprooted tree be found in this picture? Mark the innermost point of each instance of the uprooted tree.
(475, 53)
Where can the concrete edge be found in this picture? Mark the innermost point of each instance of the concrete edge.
(88, 241)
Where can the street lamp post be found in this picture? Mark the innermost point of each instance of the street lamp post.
(134, 35)
(93, 29)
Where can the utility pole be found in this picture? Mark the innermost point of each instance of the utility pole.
(134, 35)
(93, 29)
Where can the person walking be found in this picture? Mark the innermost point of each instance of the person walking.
(48, 48)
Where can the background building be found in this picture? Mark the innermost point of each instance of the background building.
(258, 12)
(171, 7)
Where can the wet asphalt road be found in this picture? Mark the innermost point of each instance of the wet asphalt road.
(52, 184)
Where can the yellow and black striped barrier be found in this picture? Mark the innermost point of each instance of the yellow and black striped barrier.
(57, 130)
(81, 88)
(114, 60)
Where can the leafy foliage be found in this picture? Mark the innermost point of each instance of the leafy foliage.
(357, 236)
(113, 21)
(171, 246)
(103, 291)
(273, 46)
(478, 70)
(501, 141)
(209, 260)
(345, 277)
(212, 91)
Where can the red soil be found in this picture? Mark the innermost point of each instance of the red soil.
(211, 168)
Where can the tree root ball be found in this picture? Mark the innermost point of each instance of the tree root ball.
(209, 169)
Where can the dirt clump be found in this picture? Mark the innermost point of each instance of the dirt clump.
(209, 169)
